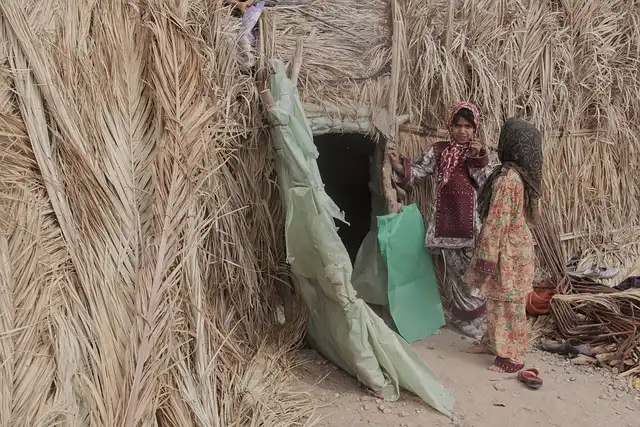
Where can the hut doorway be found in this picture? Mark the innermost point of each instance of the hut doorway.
(344, 162)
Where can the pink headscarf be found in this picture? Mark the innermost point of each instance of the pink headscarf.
(455, 150)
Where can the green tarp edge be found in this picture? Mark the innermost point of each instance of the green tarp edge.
(341, 326)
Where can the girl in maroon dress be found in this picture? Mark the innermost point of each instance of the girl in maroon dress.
(461, 167)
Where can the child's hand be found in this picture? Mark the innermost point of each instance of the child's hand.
(475, 148)
(393, 157)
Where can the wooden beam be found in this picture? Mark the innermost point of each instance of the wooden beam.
(420, 130)
(449, 34)
(390, 194)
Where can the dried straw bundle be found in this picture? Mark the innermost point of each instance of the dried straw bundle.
(139, 278)
(139, 220)
(549, 250)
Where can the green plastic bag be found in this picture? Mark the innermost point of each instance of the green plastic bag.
(414, 300)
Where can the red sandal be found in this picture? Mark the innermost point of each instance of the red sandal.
(530, 378)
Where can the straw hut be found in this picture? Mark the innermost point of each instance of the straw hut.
(141, 228)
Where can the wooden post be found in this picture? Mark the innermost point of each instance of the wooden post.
(449, 34)
(267, 99)
(296, 62)
(390, 193)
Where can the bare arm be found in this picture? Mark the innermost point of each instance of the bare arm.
(408, 173)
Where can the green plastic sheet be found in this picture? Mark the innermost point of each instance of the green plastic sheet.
(369, 277)
(341, 326)
(414, 300)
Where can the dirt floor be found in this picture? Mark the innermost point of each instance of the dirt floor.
(571, 396)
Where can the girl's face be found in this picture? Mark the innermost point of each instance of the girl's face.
(462, 130)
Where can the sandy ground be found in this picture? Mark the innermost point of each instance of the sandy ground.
(571, 396)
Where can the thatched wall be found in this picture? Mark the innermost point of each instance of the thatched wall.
(347, 57)
(571, 67)
(140, 239)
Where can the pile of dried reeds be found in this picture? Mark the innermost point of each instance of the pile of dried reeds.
(570, 67)
(139, 263)
(607, 320)
(591, 312)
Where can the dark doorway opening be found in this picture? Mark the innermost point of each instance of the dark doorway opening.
(344, 161)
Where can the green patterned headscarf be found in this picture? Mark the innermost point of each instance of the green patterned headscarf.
(519, 148)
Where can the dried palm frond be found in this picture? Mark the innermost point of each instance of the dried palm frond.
(137, 223)
(347, 52)
(579, 83)
(539, 327)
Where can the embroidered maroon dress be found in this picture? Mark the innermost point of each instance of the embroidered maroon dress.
(454, 221)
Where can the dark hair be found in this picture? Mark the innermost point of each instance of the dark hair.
(464, 113)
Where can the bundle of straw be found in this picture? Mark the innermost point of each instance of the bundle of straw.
(550, 252)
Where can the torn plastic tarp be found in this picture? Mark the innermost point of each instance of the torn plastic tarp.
(341, 326)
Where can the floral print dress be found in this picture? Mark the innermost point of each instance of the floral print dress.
(503, 267)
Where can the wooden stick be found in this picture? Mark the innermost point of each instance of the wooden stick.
(427, 130)
(630, 372)
(265, 93)
(390, 194)
(449, 34)
(267, 99)
(389, 191)
(296, 62)
(421, 130)
(395, 65)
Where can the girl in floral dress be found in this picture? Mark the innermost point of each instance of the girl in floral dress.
(503, 264)
(461, 166)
